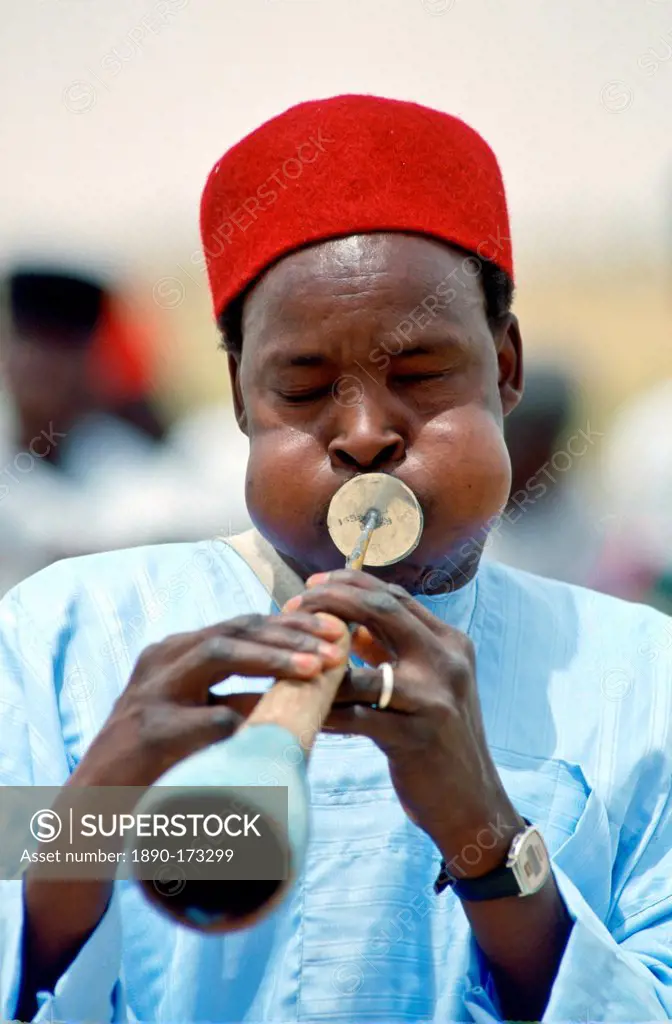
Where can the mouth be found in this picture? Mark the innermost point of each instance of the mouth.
(320, 518)
(374, 519)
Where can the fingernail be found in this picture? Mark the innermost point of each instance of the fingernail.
(306, 664)
(292, 604)
(319, 577)
(225, 717)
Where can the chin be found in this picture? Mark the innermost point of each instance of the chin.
(444, 561)
(440, 576)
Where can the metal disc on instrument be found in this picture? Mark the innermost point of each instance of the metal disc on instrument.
(401, 526)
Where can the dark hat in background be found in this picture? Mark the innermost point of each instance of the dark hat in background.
(58, 307)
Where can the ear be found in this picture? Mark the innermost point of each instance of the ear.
(238, 404)
(509, 346)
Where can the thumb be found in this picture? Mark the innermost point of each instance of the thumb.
(200, 727)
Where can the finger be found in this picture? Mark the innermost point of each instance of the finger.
(300, 626)
(366, 647)
(359, 686)
(192, 729)
(388, 730)
(380, 611)
(413, 604)
(210, 724)
(365, 581)
(289, 632)
(300, 632)
(243, 703)
(355, 577)
(167, 650)
(215, 659)
(325, 626)
(319, 625)
(364, 686)
(294, 626)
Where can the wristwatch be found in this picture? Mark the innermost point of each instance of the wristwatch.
(524, 872)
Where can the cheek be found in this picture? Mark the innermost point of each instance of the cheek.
(476, 466)
(282, 483)
(489, 473)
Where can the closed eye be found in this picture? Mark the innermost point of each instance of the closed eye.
(300, 397)
(414, 378)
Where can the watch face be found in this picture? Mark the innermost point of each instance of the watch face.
(529, 861)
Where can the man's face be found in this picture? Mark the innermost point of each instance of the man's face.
(48, 381)
(373, 353)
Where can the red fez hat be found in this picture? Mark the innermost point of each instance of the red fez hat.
(343, 166)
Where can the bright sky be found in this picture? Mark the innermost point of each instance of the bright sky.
(109, 126)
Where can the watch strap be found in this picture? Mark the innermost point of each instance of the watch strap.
(497, 884)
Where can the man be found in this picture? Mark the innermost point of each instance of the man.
(550, 496)
(73, 416)
(366, 316)
(85, 464)
(69, 328)
(636, 560)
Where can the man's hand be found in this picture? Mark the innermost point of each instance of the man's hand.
(432, 733)
(432, 730)
(166, 711)
(164, 714)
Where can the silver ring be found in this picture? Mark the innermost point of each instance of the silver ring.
(387, 688)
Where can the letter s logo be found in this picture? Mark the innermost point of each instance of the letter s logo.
(45, 826)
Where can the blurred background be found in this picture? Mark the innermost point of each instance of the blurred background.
(115, 422)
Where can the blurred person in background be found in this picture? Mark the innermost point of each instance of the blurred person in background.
(550, 497)
(86, 462)
(74, 411)
(214, 454)
(636, 559)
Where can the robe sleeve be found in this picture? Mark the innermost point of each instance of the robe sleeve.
(619, 969)
(32, 752)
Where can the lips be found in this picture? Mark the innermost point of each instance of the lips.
(320, 517)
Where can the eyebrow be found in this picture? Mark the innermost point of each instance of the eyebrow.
(306, 359)
(428, 347)
(414, 350)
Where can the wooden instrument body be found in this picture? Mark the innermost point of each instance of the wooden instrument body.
(281, 725)
(274, 742)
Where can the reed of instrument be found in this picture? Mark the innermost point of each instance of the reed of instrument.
(377, 520)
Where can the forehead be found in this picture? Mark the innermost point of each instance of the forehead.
(379, 277)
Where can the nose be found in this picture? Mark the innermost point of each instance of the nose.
(366, 442)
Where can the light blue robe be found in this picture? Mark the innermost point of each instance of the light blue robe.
(576, 690)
